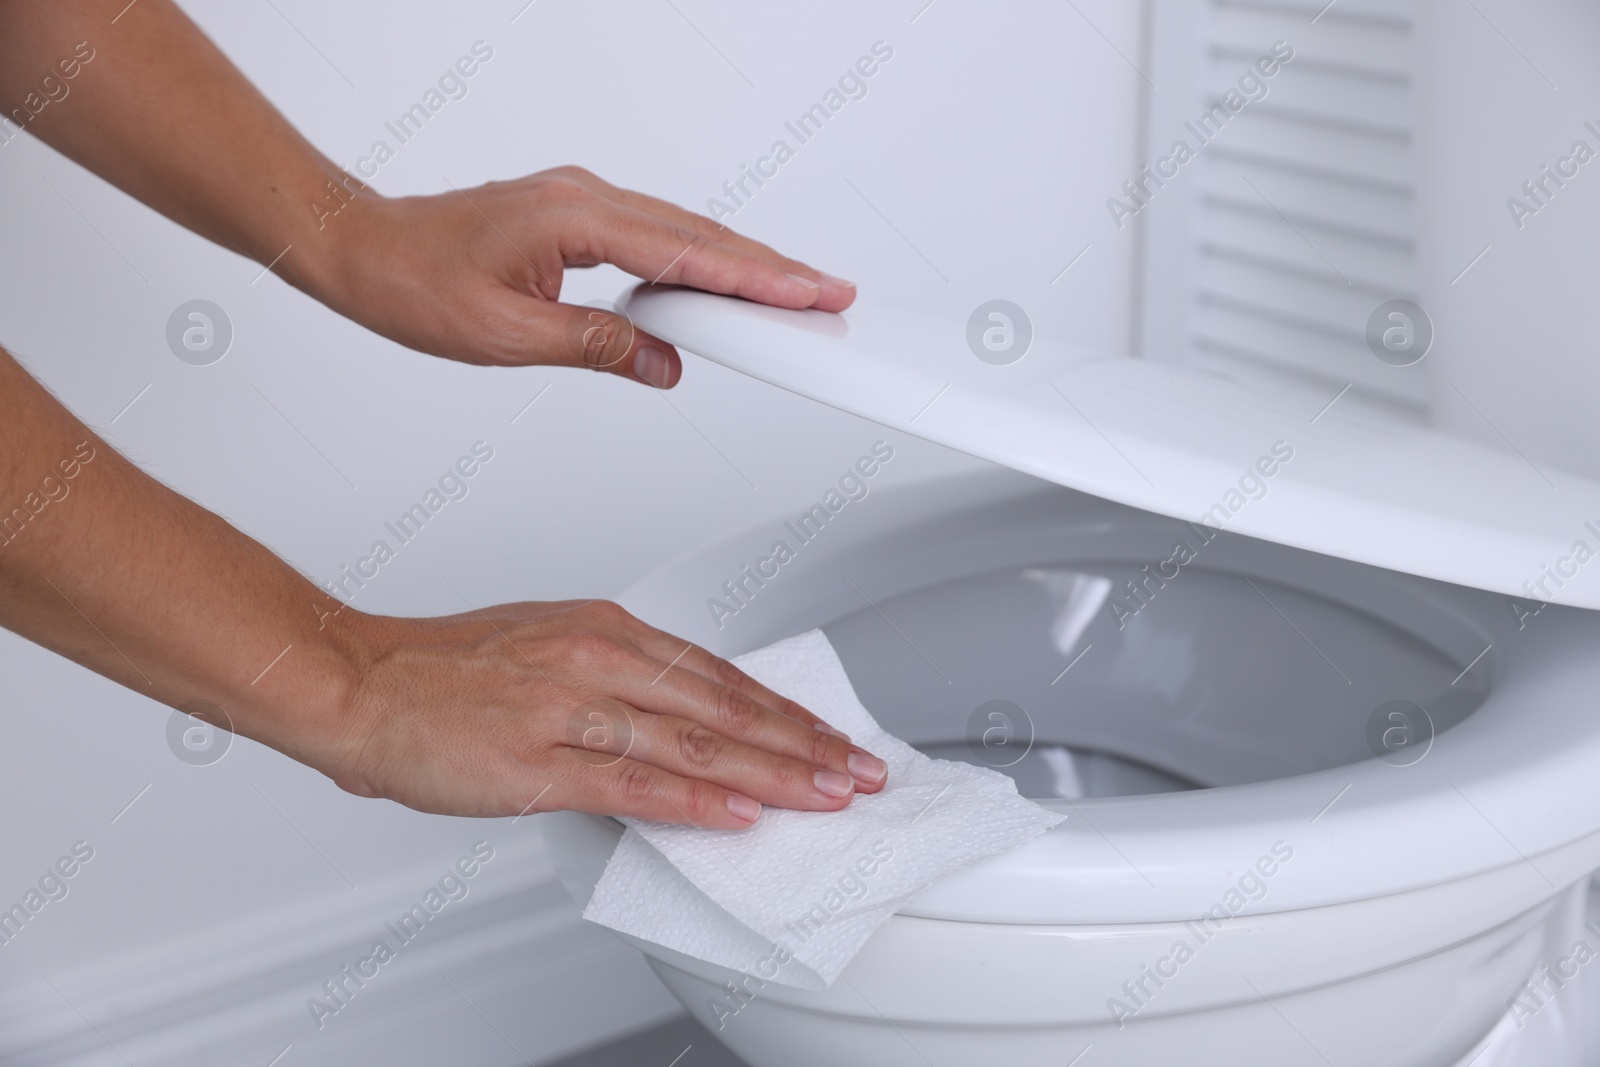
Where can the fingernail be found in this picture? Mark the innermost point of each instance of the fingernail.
(807, 282)
(833, 784)
(839, 281)
(743, 808)
(825, 728)
(869, 769)
(650, 366)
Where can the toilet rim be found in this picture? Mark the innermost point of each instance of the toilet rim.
(1506, 786)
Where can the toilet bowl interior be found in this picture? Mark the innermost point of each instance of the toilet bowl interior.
(1106, 677)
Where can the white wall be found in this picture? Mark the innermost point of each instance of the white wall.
(988, 142)
(1504, 91)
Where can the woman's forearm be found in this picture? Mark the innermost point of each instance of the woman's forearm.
(108, 567)
(153, 107)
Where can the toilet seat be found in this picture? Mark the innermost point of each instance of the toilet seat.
(1500, 792)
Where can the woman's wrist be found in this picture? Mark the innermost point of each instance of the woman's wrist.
(307, 702)
(330, 245)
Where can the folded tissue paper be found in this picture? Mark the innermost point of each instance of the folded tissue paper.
(793, 898)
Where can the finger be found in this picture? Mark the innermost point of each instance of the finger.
(691, 750)
(659, 251)
(837, 293)
(670, 212)
(630, 788)
(683, 655)
(741, 717)
(565, 335)
(687, 681)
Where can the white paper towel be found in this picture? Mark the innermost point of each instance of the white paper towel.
(793, 898)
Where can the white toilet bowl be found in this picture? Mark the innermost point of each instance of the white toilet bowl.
(1287, 899)
(1337, 797)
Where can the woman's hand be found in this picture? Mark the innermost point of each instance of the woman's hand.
(519, 708)
(475, 274)
(578, 705)
(472, 274)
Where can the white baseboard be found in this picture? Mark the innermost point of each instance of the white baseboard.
(507, 975)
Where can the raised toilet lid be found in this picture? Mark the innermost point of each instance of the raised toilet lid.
(1506, 789)
(1360, 485)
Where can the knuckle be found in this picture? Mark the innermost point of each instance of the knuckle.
(587, 648)
(693, 245)
(606, 611)
(700, 747)
(737, 713)
(702, 801)
(636, 783)
(591, 333)
(564, 190)
(616, 340)
(724, 673)
(793, 777)
(600, 726)
(794, 710)
(823, 750)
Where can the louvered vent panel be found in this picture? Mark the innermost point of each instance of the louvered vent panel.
(1305, 214)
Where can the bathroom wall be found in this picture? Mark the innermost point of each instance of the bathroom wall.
(1504, 92)
(1288, 209)
(221, 896)
(1387, 160)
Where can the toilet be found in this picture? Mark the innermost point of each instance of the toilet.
(1316, 688)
